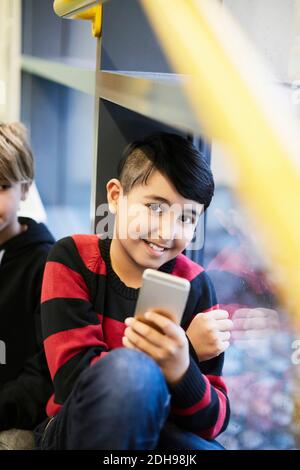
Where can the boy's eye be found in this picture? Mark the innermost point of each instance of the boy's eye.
(159, 208)
(155, 208)
(187, 219)
(4, 187)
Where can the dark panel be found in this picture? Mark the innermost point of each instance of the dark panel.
(77, 144)
(128, 42)
(46, 35)
(41, 29)
(42, 108)
(78, 43)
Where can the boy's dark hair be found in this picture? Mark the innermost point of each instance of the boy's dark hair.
(173, 156)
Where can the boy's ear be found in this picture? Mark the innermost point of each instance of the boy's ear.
(24, 190)
(114, 191)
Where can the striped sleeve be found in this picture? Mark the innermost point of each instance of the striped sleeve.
(72, 331)
(199, 402)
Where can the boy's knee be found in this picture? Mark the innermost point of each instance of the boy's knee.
(125, 370)
(124, 385)
(131, 364)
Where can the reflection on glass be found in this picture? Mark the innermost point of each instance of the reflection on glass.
(258, 368)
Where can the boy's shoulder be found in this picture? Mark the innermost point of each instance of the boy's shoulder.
(187, 268)
(202, 288)
(31, 246)
(83, 248)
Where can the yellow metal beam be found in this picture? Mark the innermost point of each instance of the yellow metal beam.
(228, 89)
(90, 10)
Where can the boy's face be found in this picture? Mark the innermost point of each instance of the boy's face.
(10, 197)
(153, 213)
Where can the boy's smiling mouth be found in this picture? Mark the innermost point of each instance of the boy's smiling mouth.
(154, 248)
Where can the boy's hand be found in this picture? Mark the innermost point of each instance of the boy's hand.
(162, 339)
(209, 333)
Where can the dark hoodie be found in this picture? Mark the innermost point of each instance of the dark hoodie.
(25, 383)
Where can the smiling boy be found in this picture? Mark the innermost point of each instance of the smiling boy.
(120, 383)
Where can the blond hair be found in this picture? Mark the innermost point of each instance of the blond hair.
(16, 159)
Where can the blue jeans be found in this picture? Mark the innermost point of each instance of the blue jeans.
(121, 402)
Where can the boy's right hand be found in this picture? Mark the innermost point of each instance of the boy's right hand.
(209, 333)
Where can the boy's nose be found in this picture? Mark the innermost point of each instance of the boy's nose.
(167, 232)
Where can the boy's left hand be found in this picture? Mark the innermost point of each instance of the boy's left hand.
(168, 347)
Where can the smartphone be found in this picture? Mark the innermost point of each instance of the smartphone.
(162, 292)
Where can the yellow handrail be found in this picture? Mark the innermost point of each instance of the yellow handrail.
(81, 10)
(228, 90)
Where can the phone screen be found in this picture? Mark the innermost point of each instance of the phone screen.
(162, 292)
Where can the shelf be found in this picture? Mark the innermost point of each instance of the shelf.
(157, 96)
(73, 76)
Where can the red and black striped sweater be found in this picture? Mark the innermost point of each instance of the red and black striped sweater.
(84, 305)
